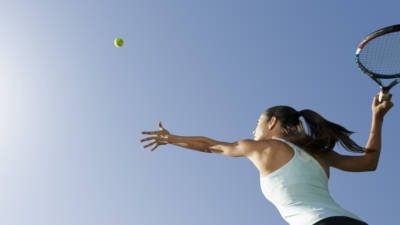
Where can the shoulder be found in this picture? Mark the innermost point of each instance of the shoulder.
(255, 143)
(252, 146)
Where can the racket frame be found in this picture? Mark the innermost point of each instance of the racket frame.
(376, 76)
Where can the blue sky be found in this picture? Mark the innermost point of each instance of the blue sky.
(72, 106)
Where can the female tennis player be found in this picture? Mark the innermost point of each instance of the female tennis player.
(294, 164)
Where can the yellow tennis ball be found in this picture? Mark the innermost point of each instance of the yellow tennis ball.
(118, 42)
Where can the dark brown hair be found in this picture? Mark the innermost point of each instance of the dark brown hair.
(322, 134)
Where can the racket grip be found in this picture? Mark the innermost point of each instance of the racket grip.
(383, 94)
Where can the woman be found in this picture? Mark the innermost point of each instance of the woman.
(294, 164)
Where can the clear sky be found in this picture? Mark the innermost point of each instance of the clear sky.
(72, 106)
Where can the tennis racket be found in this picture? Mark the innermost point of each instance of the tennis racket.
(378, 56)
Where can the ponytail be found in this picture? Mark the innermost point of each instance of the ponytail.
(322, 134)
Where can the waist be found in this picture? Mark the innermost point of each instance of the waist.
(343, 220)
(309, 213)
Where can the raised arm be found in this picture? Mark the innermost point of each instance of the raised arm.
(374, 143)
(369, 160)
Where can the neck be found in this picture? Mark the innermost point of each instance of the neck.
(271, 136)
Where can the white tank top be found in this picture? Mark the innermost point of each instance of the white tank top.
(299, 190)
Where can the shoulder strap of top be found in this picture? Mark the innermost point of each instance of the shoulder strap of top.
(303, 154)
(288, 142)
(292, 146)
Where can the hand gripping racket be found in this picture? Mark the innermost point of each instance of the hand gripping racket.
(378, 56)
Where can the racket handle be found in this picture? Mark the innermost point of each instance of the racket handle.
(383, 94)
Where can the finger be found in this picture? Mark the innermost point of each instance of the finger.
(161, 126)
(376, 100)
(388, 105)
(386, 97)
(150, 144)
(154, 147)
(147, 139)
(150, 132)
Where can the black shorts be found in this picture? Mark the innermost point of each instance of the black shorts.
(340, 220)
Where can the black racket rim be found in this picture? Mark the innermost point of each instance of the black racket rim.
(368, 38)
(375, 75)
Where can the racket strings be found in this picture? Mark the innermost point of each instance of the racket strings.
(382, 54)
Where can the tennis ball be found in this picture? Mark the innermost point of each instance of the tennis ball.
(118, 42)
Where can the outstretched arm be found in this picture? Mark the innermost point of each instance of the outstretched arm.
(202, 144)
(198, 143)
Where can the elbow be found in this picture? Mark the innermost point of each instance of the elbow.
(373, 167)
(372, 163)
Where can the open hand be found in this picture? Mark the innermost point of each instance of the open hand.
(161, 137)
